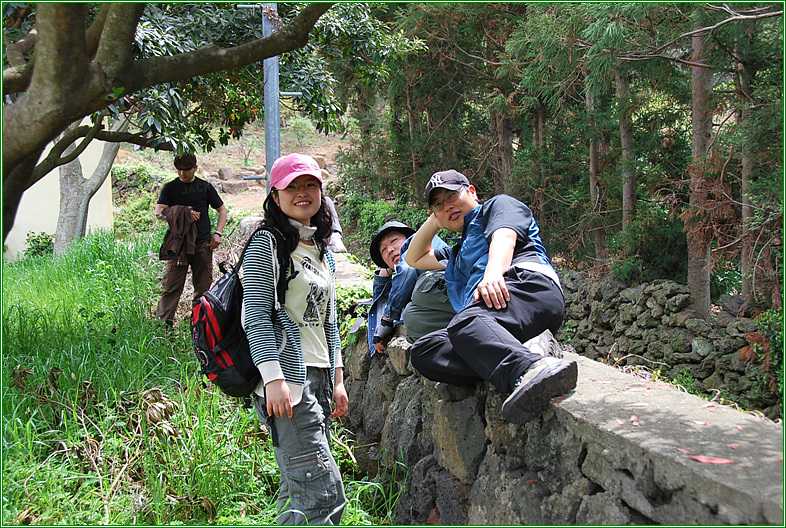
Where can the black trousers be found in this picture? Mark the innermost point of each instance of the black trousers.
(482, 343)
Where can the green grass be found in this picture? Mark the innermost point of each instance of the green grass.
(105, 417)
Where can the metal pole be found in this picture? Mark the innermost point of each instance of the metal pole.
(272, 114)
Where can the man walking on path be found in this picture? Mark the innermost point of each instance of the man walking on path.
(183, 204)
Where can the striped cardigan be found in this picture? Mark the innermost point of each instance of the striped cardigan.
(273, 337)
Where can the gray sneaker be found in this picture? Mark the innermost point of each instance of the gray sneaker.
(544, 344)
(545, 379)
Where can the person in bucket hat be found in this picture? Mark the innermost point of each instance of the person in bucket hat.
(394, 284)
(505, 292)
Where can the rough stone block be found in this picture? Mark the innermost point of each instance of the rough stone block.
(459, 438)
(235, 186)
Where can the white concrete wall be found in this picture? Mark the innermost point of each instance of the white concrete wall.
(40, 205)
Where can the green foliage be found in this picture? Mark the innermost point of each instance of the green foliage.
(135, 215)
(350, 312)
(135, 200)
(769, 350)
(39, 245)
(368, 215)
(105, 417)
(654, 247)
(687, 382)
(725, 279)
(302, 127)
(135, 176)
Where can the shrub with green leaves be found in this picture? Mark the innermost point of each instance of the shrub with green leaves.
(39, 245)
(641, 260)
(350, 312)
(367, 216)
(770, 349)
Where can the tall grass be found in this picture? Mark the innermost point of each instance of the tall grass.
(105, 418)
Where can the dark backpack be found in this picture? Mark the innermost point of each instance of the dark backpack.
(220, 342)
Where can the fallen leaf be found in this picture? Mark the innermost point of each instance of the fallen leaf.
(699, 422)
(740, 427)
(708, 405)
(639, 405)
(733, 446)
(530, 481)
(681, 450)
(711, 460)
(620, 422)
(634, 418)
(635, 424)
(638, 389)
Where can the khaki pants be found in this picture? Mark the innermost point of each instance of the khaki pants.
(174, 280)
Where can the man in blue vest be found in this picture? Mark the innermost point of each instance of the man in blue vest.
(505, 292)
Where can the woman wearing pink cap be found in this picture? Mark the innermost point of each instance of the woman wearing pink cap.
(296, 345)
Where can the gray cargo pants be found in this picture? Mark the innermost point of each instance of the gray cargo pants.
(311, 488)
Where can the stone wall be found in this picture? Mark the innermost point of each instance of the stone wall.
(619, 450)
(652, 325)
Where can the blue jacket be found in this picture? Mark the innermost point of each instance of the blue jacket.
(390, 295)
(467, 260)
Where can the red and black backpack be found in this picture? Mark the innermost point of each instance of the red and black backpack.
(220, 342)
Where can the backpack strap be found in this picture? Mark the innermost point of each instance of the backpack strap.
(285, 265)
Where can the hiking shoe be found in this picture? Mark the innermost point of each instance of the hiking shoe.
(544, 344)
(545, 379)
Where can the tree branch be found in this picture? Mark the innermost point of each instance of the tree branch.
(117, 40)
(157, 70)
(54, 159)
(93, 33)
(15, 51)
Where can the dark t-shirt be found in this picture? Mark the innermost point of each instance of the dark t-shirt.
(199, 194)
(468, 259)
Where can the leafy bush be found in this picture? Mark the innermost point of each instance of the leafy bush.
(302, 127)
(655, 247)
(134, 176)
(766, 350)
(368, 215)
(39, 245)
(134, 215)
(349, 311)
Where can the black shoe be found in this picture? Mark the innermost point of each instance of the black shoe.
(545, 379)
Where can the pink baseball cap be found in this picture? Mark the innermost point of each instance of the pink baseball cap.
(287, 168)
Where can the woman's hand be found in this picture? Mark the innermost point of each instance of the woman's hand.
(340, 397)
(279, 399)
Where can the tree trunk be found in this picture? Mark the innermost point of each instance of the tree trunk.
(411, 116)
(76, 192)
(628, 159)
(538, 144)
(745, 75)
(746, 254)
(69, 224)
(701, 131)
(598, 229)
(502, 152)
